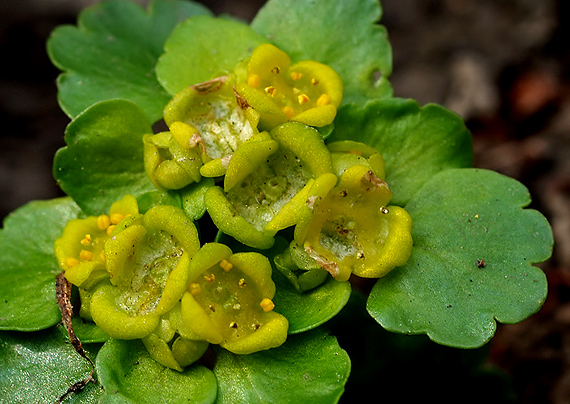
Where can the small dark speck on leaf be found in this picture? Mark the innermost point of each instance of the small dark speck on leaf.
(481, 263)
(375, 77)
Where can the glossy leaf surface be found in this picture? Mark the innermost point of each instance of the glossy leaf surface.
(309, 368)
(416, 142)
(472, 261)
(203, 48)
(112, 53)
(28, 266)
(129, 375)
(308, 310)
(39, 367)
(103, 159)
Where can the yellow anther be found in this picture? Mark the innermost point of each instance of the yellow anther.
(195, 289)
(314, 81)
(103, 222)
(276, 70)
(226, 265)
(242, 283)
(116, 218)
(271, 90)
(86, 240)
(296, 76)
(102, 256)
(288, 111)
(110, 229)
(303, 99)
(253, 80)
(210, 278)
(267, 305)
(86, 255)
(323, 100)
(71, 262)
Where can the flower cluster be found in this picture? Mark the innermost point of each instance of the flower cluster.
(255, 130)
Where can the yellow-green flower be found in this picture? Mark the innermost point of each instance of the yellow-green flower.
(213, 120)
(148, 262)
(307, 92)
(167, 163)
(229, 301)
(80, 249)
(268, 180)
(353, 229)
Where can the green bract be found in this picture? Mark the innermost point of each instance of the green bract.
(225, 241)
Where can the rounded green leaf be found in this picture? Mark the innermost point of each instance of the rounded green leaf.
(308, 310)
(202, 48)
(308, 368)
(343, 34)
(103, 160)
(112, 53)
(472, 260)
(129, 374)
(416, 142)
(39, 367)
(28, 266)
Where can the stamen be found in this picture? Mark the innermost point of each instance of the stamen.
(384, 210)
(267, 305)
(116, 218)
(195, 289)
(323, 100)
(314, 81)
(253, 80)
(233, 324)
(110, 229)
(271, 90)
(288, 111)
(276, 70)
(103, 222)
(241, 283)
(296, 76)
(86, 240)
(226, 265)
(210, 278)
(303, 99)
(86, 255)
(71, 262)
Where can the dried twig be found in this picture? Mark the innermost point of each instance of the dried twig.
(63, 294)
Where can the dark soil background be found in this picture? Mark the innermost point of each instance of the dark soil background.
(503, 65)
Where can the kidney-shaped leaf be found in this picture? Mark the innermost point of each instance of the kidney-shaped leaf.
(28, 266)
(343, 34)
(112, 53)
(129, 375)
(472, 260)
(39, 367)
(416, 142)
(103, 159)
(309, 368)
(202, 48)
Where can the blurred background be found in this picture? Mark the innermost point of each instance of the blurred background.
(503, 65)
